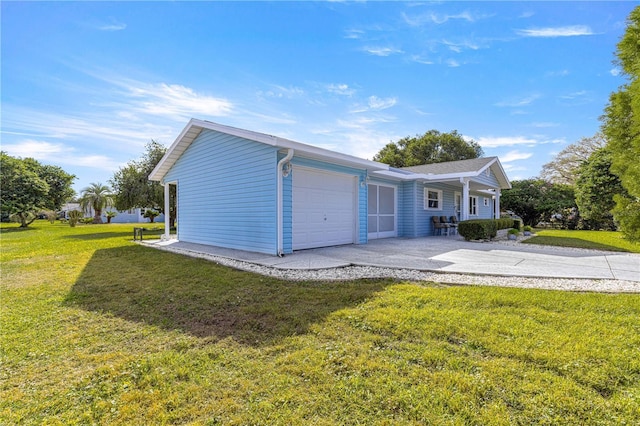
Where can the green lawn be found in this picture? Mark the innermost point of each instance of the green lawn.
(98, 330)
(597, 240)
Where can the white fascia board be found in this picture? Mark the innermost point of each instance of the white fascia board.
(399, 176)
(195, 126)
(301, 149)
(184, 139)
(507, 183)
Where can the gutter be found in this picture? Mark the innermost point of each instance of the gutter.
(279, 208)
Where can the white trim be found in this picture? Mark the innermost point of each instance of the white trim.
(355, 226)
(465, 198)
(279, 201)
(440, 199)
(384, 234)
(472, 204)
(194, 127)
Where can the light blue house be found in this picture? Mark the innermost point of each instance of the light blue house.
(251, 191)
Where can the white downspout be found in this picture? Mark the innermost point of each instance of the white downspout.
(279, 209)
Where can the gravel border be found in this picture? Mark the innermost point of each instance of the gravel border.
(349, 273)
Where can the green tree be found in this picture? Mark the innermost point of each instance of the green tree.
(60, 186)
(536, 200)
(132, 186)
(432, 147)
(621, 126)
(28, 187)
(23, 191)
(595, 189)
(96, 197)
(564, 167)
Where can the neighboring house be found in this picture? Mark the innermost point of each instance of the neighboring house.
(122, 216)
(251, 191)
(128, 216)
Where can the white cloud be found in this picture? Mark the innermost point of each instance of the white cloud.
(340, 89)
(435, 18)
(561, 73)
(33, 148)
(495, 142)
(518, 102)
(280, 92)
(377, 103)
(501, 141)
(515, 156)
(544, 124)
(374, 103)
(615, 72)
(113, 27)
(459, 46)
(59, 154)
(176, 100)
(421, 60)
(381, 51)
(359, 136)
(452, 63)
(575, 98)
(568, 31)
(353, 34)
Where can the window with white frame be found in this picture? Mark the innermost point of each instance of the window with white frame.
(432, 199)
(485, 201)
(473, 205)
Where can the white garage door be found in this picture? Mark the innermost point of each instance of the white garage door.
(324, 208)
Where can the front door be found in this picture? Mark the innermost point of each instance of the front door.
(382, 222)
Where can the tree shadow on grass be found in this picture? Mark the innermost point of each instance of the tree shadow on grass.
(7, 230)
(208, 300)
(101, 235)
(572, 242)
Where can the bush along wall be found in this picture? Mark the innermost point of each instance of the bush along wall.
(483, 229)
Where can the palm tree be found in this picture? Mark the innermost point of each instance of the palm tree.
(96, 196)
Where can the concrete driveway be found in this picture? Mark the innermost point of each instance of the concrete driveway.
(448, 254)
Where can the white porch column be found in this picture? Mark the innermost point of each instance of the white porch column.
(465, 199)
(497, 204)
(167, 214)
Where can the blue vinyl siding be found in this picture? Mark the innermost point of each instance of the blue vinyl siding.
(227, 193)
(407, 210)
(490, 181)
(424, 224)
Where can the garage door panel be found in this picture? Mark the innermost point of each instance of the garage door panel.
(324, 208)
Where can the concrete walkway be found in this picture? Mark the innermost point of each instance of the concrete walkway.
(444, 254)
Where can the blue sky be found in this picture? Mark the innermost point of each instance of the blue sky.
(85, 85)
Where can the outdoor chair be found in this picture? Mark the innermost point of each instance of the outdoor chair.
(439, 226)
(453, 224)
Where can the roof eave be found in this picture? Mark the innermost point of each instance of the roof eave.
(195, 126)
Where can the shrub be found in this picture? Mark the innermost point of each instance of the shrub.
(484, 229)
(151, 214)
(50, 215)
(110, 215)
(74, 217)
